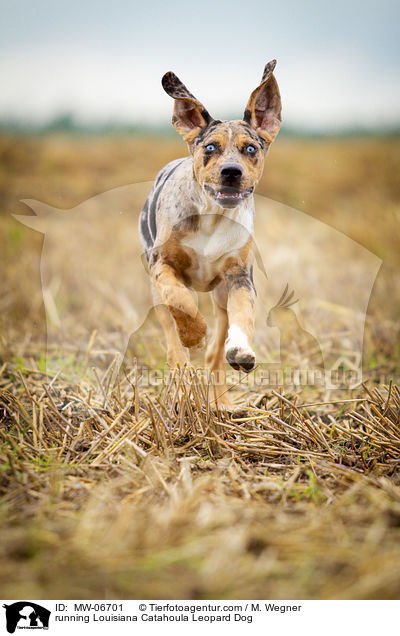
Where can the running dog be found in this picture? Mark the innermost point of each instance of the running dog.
(197, 225)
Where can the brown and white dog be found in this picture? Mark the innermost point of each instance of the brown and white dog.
(197, 224)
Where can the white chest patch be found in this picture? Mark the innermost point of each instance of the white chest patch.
(220, 234)
(218, 237)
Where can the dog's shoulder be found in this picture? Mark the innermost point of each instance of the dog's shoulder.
(167, 183)
(171, 172)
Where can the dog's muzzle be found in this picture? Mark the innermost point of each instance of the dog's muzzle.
(228, 197)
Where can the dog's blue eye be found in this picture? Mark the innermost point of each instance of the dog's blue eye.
(251, 149)
(210, 148)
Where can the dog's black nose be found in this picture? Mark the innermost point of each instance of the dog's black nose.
(231, 172)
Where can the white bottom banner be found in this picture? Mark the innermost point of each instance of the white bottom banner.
(144, 617)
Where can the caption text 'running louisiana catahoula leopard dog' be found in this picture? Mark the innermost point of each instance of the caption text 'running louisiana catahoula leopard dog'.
(196, 226)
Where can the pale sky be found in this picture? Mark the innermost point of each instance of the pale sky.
(338, 62)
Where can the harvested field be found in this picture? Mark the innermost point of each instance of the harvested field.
(133, 489)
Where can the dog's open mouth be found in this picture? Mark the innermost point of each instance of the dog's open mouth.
(228, 197)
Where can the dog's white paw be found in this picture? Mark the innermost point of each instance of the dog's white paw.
(238, 351)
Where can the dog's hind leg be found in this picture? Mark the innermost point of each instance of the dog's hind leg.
(176, 352)
(215, 355)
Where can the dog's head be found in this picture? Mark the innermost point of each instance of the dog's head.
(228, 155)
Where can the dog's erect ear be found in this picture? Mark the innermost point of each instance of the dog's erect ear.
(190, 116)
(263, 110)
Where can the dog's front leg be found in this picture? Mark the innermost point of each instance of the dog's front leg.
(241, 300)
(191, 327)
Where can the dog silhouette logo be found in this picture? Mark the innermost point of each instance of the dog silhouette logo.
(26, 615)
(296, 343)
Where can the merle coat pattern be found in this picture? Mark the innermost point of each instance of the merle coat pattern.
(197, 225)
